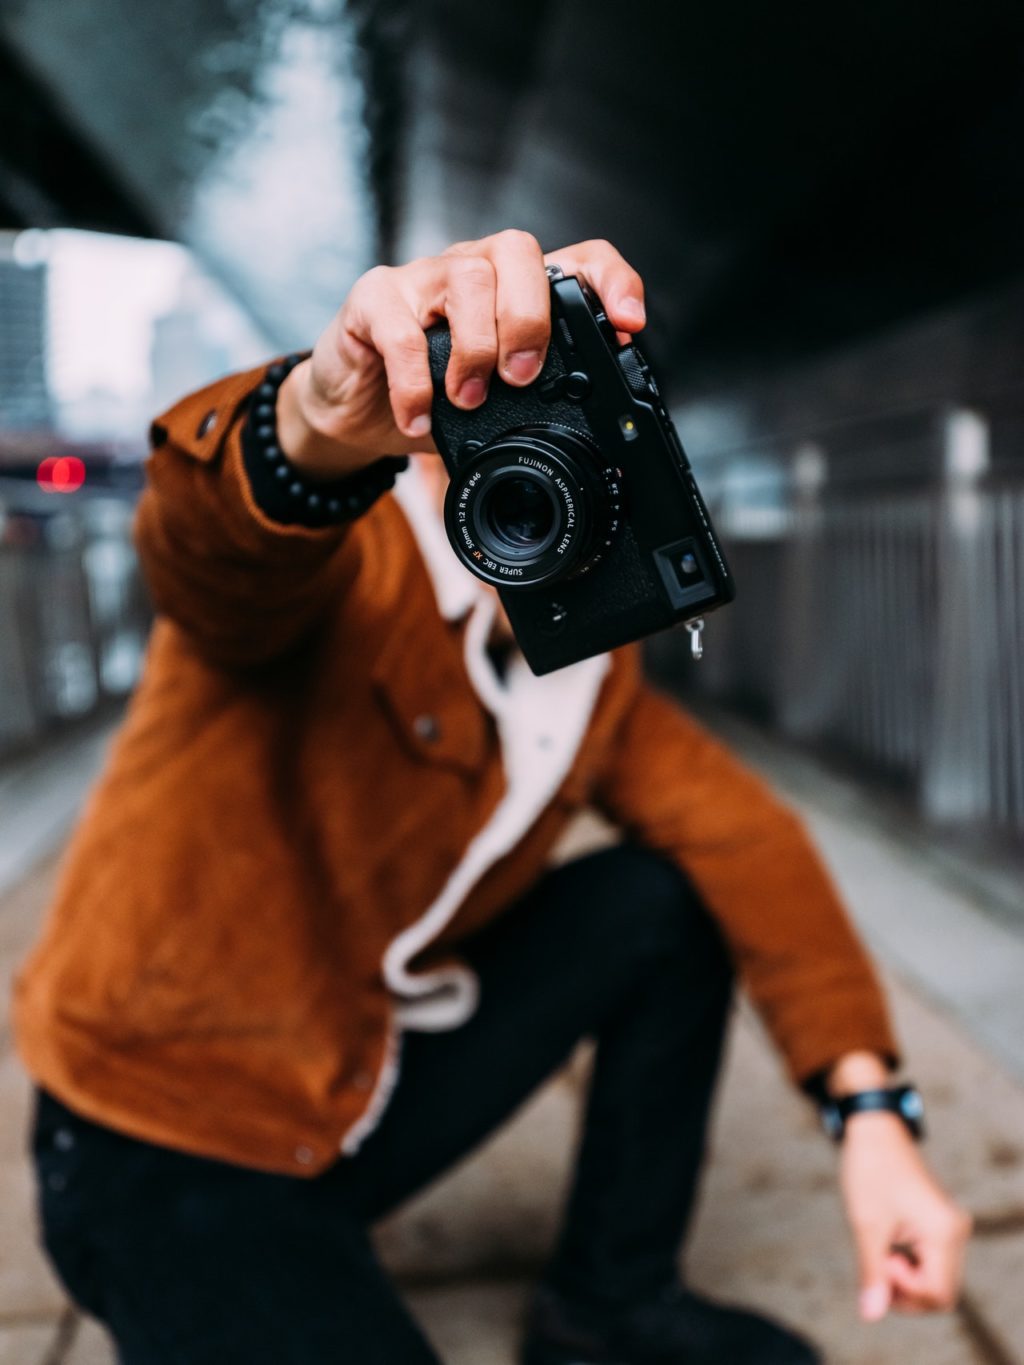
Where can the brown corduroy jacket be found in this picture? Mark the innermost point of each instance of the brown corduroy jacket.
(274, 812)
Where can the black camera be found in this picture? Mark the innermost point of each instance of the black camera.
(573, 496)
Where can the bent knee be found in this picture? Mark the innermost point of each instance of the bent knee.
(651, 908)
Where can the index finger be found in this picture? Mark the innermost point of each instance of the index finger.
(933, 1283)
(522, 302)
(617, 284)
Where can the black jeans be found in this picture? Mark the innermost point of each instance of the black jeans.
(196, 1262)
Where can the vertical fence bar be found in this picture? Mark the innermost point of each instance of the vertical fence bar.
(956, 781)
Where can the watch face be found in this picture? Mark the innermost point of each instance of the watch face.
(911, 1105)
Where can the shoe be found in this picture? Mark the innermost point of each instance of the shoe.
(676, 1328)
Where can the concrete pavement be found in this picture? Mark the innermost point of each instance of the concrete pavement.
(770, 1228)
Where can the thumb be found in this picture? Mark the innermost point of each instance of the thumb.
(875, 1289)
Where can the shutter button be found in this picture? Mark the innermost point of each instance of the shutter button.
(427, 728)
(207, 424)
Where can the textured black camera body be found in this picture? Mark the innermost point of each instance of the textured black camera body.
(574, 496)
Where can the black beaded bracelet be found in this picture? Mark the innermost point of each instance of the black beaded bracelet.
(281, 491)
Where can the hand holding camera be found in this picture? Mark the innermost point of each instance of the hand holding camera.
(570, 492)
(367, 391)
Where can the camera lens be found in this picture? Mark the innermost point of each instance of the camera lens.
(520, 513)
(537, 504)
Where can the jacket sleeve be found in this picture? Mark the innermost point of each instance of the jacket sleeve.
(674, 788)
(243, 587)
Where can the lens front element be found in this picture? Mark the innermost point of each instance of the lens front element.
(535, 505)
(517, 514)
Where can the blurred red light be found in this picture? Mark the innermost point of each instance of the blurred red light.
(61, 474)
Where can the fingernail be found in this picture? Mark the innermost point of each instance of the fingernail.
(472, 392)
(874, 1302)
(523, 365)
(632, 309)
(419, 426)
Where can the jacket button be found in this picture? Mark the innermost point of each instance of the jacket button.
(64, 1139)
(427, 728)
(304, 1155)
(57, 1181)
(207, 424)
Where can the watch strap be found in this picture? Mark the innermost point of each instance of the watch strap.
(902, 1100)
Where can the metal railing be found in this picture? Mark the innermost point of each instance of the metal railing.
(73, 612)
(882, 616)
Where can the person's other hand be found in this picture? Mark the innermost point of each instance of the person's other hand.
(910, 1235)
(366, 390)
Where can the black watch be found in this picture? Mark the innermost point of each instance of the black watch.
(902, 1100)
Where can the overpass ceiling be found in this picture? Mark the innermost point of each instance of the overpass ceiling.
(785, 177)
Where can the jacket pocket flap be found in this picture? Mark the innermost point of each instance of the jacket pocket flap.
(424, 688)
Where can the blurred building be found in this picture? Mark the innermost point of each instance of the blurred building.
(25, 400)
(187, 349)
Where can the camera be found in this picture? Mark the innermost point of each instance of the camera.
(573, 496)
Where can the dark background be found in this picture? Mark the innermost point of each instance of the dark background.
(787, 177)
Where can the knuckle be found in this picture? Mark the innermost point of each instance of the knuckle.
(408, 379)
(528, 324)
(471, 270)
(407, 347)
(952, 1225)
(519, 238)
(937, 1299)
(470, 353)
(374, 278)
(409, 392)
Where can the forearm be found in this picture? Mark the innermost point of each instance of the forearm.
(677, 789)
(242, 587)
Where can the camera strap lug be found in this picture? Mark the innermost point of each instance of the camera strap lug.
(696, 629)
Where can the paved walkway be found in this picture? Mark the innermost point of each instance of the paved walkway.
(770, 1229)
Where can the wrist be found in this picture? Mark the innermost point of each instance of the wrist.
(857, 1071)
(316, 453)
(287, 494)
(840, 1114)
